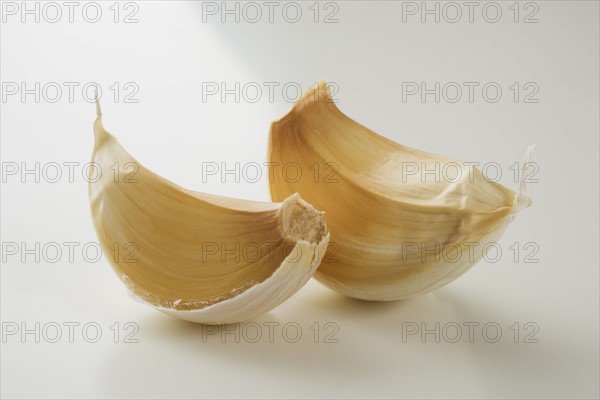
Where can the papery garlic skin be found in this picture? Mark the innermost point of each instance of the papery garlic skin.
(176, 244)
(395, 235)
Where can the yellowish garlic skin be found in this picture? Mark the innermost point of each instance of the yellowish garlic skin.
(197, 256)
(394, 234)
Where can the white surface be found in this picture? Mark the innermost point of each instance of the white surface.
(369, 53)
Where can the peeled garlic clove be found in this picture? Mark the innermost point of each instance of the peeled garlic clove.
(394, 235)
(196, 256)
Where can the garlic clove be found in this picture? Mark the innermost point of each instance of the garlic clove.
(394, 234)
(199, 257)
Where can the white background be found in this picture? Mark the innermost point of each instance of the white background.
(369, 53)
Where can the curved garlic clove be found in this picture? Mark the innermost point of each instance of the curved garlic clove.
(394, 235)
(183, 241)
